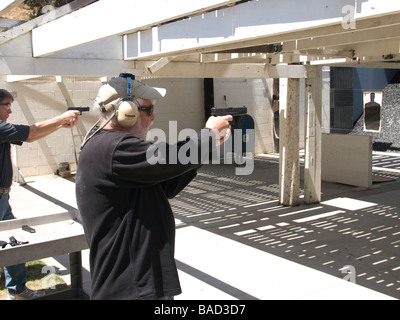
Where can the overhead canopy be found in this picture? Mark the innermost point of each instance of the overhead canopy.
(208, 38)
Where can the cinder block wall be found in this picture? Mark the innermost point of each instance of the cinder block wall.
(45, 98)
(38, 100)
(183, 104)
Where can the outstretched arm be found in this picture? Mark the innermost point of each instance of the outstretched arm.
(41, 129)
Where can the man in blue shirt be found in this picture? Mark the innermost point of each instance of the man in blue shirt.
(17, 134)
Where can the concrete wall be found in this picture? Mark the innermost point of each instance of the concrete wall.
(347, 159)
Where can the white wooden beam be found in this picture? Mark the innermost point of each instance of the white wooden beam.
(384, 48)
(159, 64)
(105, 58)
(348, 38)
(330, 62)
(289, 160)
(107, 18)
(71, 65)
(372, 22)
(102, 58)
(65, 67)
(234, 57)
(288, 58)
(43, 19)
(370, 65)
(8, 5)
(221, 70)
(15, 78)
(251, 21)
(313, 124)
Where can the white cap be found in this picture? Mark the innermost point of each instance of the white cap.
(115, 89)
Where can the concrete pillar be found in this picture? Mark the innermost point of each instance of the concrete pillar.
(289, 164)
(312, 161)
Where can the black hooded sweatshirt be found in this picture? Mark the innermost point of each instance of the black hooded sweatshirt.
(123, 201)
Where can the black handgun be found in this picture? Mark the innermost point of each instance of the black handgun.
(233, 111)
(80, 109)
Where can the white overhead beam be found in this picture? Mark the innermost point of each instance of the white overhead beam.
(41, 20)
(65, 67)
(383, 48)
(107, 18)
(226, 70)
(234, 57)
(389, 19)
(50, 66)
(102, 58)
(251, 21)
(159, 64)
(8, 5)
(348, 38)
(331, 62)
(14, 78)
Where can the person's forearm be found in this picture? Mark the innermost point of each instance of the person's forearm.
(41, 129)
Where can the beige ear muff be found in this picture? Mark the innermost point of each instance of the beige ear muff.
(127, 113)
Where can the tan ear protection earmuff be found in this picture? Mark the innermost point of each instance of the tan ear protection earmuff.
(127, 111)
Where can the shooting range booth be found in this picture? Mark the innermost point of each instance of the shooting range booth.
(288, 40)
(216, 39)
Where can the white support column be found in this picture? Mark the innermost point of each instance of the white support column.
(289, 163)
(312, 163)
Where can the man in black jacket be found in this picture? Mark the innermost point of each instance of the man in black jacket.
(123, 196)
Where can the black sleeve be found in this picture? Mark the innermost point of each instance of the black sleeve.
(14, 134)
(142, 163)
(173, 186)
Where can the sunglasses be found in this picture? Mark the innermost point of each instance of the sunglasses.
(149, 109)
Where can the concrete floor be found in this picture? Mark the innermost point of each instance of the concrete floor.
(234, 240)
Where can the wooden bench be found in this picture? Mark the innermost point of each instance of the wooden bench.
(55, 235)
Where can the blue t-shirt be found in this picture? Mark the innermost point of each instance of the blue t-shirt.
(9, 134)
